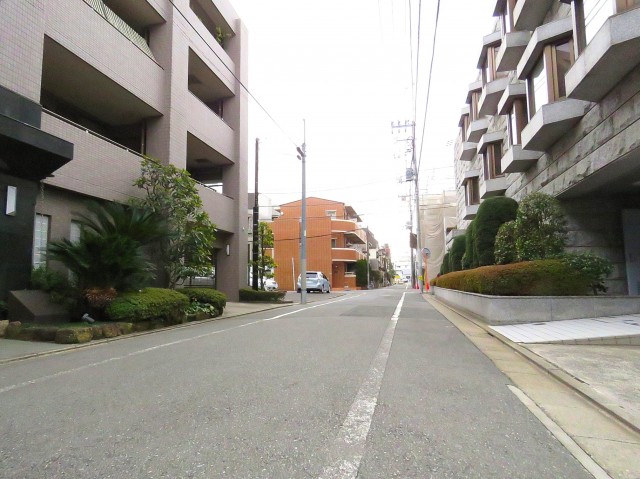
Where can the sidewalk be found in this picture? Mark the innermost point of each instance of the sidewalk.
(597, 357)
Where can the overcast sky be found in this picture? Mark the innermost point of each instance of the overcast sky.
(345, 67)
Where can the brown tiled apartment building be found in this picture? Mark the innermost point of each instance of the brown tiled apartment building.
(89, 86)
(335, 241)
(556, 108)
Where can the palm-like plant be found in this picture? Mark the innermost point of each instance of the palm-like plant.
(110, 251)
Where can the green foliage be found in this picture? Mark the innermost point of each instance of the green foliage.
(593, 267)
(248, 294)
(540, 228)
(110, 251)
(48, 280)
(3, 309)
(505, 245)
(148, 304)
(529, 278)
(265, 264)
(206, 296)
(172, 194)
(469, 257)
(361, 273)
(457, 250)
(207, 309)
(492, 213)
(444, 267)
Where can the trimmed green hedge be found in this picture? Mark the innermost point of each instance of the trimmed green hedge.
(492, 213)
(150, 303)
(528, 278)
(206, 296)
(248, 294)
(456, 252)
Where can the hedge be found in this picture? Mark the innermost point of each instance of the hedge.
(150, 303)
(248, 294)
(492, 213)
(528, 278)
(456, 252)
(206, 296)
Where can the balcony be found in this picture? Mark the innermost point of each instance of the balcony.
(469, 212)
(347, 255)
(493, 39)
(469, 151)
(493, 187)
(464, 112)
(513, 91)
(543, 35)
(452, 234)
(609, 57)
(487, 138)
(352, 232)
(210, 128)
(518, 160)
(511, 50)
(491, 94)
(219, 207)
(551, 122)
(529, 14)
(477, 128)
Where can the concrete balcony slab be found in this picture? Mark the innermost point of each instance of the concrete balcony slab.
(529, 14)
(470, 212)
(468, 151)
(513, 91)
(477, 128)
(491, 137)
(551, 122)
(493, 187)
(511, 50)
(490, 40)
(491, 94)
(543, 35)
(517, 160)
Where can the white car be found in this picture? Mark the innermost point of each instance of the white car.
(270, 284)
(316, 281)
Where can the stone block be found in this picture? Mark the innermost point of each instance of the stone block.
(3, 327)
(74, 335)
(34, 306)
(110, 330)
(125, 328)
(44, 333)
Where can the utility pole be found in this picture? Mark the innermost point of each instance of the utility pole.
(254, 277)
(302, 156)
(413, 175)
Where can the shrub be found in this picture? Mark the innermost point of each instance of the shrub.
(206, 296)
(592, 266)
(248, 294)
(456, 252)
(529, 278)
(444, 267)
(505, 245)
(361, 273)
(150, 303)
(48, 280)
(469, 258)
(3, 309)
(540, 228)
(492, 213)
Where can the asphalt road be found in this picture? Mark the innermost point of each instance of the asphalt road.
(372, 384)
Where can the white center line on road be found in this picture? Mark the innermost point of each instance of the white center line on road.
(346, 452)
(160, 346)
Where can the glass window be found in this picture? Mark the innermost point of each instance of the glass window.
(331, 213)
(475, 96)
(538, 86)
(517, 121)
(472, 191)
(74, 232)
(563, 61)
(596, 13)
(40, 240)
(492, 159)
(334, 243)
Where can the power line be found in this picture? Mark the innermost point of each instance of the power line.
(415, 102)
(426, 108)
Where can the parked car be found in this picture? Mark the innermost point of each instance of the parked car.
(316, 281)
(270, 284)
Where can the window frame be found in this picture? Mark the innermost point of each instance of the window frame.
(472, 191)
(492, 160)
(517, 116)
(39, 250)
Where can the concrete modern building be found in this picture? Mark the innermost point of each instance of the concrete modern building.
(437, 223)
(90, 86)
(335, 241)
(556, 108)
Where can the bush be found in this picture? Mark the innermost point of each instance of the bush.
(48, 280)
(540, 228)
(530, 278)
(593, 267)
(150, 303)
(469, 258)
(444, 267)
(248, 294)
(361, 273)
(456, 252)
(505, 245)
(206, 296)
(492, 213)
(3, 309)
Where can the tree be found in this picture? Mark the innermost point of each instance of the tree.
(492, 213)
(172, 194)
(504, 248)
(540, 228)
(265, 265)
(361, 273)
(109, 255)
(469, 259)
(456, 252)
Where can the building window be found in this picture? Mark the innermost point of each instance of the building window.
(331, 213)
(507, 16)
(40, 240)
(590, 15)
(475, 98)
(334, 243)
(489, 72)
(546, 81)
(74, 231)
(517, 120)
(464, 127)
(472, 191)
(492, 159)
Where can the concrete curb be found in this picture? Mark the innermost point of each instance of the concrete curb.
(597, 399)
(99, 342)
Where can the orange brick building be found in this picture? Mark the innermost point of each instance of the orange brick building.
(335, 242)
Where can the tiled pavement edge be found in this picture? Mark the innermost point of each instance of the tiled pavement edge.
(601, 401)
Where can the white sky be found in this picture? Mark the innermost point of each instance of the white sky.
(345, 67)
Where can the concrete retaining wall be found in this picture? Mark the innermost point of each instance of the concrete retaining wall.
(496, 310)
